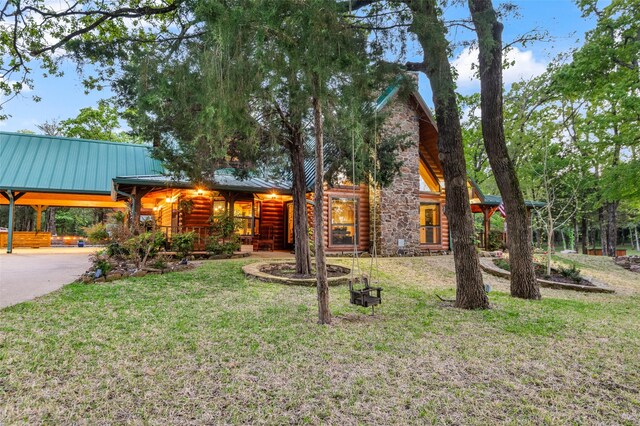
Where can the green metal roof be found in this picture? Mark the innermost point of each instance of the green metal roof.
(224, 181)
(35, 163)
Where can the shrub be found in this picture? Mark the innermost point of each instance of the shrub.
(224, 227)
(216, 246)
(495, 241)
(503, 264)
(117, 229)
(144, 247)
(223, 239)
(115, 249)
(97, 233)
(571, 273)
(183, 243)
(160, 263)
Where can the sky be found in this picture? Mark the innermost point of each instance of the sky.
(63, 97)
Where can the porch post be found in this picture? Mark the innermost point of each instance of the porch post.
(10, 231)
(486, 218)
(39, 209)
(12, 198)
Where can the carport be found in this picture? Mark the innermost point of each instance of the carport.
(48, 171)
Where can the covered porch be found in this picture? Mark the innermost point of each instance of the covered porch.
(262, 209)
(47, 171)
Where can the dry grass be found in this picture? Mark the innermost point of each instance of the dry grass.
(209, 347)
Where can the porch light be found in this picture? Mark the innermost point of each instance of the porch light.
(199, 190)
(273, 195)
(168, 200)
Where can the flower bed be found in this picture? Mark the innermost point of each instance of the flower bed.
(490, 266)
(284, 272)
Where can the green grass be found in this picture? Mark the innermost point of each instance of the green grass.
(209, 346)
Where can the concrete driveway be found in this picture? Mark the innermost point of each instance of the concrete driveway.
(29, 273)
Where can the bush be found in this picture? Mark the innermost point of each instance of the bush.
(118, 231)
(495, 241)
(97, 233)
(215, 246)
(115, 249)
(223, 239)
(224, 227)
(571, 273)
(144, 247)
(183, 243)
(160, 263)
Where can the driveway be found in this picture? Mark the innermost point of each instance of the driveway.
(29, 273)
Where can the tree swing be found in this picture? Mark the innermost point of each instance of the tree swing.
(365, 295)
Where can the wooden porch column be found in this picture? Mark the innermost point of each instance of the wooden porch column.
(12, 198)
(39, 209)
(486, 221)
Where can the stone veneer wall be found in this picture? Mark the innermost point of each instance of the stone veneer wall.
(400, 202)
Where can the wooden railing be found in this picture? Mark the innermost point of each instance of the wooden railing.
(26, 239)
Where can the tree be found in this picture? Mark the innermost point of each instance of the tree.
(245, 95)
(73, 28)
(51, 128)
(99, 123)
(489, 31)
(605, 73)
(430, 32)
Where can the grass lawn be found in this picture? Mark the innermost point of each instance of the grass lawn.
(208, 346)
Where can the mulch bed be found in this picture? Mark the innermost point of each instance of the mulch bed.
(288, 270)
(541, 273)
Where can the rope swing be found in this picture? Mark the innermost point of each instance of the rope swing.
(366, 295)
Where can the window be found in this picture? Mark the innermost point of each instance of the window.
(219, 207)
(343, 223)
(430, 224)
(243, 211)
(428, 182)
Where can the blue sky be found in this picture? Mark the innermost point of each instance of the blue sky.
(63, 97)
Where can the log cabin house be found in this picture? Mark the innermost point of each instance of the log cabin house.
(409, 215)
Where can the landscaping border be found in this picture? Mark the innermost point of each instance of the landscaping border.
(489, 267)
(253, 270)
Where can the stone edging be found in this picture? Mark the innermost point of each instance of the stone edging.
(489, 267)
(253, 270)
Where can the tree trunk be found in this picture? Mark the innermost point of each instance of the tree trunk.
(576, 234)
(51, 221)
(585, 235)
(637, 238)
(603, 231)
(324, 314)
(430, 31)
(550, 238)
(612, 228)
(300, 219)
(489, 30)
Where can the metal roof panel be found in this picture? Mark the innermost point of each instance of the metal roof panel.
(56, 164)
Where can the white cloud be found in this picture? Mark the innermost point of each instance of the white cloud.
(525, 67)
